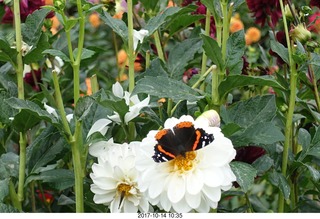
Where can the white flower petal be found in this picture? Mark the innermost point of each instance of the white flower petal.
(176, 188)
(115, 117)
(129, 207)
(50, 110)
(103, 199)
(213, 193)
(195, 182)
(116, 206)
(69, 117)
(193, 200)
(100, 125)
(117, 90)
(181, 206)
(138, 36)
(26, 69)
(106, 183)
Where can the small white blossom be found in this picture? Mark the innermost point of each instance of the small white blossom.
(138, 36)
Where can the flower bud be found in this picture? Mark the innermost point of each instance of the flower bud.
(287, 12)
(59, 4)
(300, 33)
(211, 117)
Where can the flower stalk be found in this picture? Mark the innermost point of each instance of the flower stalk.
(131, 55)
(289, 116)
(19, 71)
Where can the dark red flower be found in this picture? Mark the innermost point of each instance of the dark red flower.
(33, 78)
(315, 3)
(249, 154)
(48, 196)
(187, 75)
(314, 22)
(265, 10)
(26, 7)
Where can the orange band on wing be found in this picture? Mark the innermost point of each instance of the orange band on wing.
(161, 133)
(184, 125)
(164, 151)
(198, 136)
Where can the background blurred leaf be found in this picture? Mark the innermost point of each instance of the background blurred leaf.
(245, 174)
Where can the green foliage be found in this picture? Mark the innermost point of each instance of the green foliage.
(245, 174)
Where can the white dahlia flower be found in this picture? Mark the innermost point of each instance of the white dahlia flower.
(185, 166)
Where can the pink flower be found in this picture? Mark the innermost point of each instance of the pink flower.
(26, 7)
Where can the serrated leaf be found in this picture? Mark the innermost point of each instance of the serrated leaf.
(180, 55)
(166, 87)
(118, 26)
(31, 30)
(234, 81)
(245, 174)
(235, 50)
(55, 52)
(278, 180)
(213, 51)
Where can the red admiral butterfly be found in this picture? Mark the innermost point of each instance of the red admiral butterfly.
(182, 139)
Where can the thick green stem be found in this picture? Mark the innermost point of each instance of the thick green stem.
(204, 56)
(225, 30)
(131, 55)
(289, 116)
(215, 92)
(19, 71)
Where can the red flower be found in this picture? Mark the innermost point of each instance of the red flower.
(34, 79)
(315, 3)
(249, 154)
(265, 10)
(26, 7)
(314, 22)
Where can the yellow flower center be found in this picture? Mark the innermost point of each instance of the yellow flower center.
(184, 163)
(124, 189)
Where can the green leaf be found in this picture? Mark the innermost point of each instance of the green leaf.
(60, 179)
(71, 22)
(9, 165)
(156, 68)
(280, 50)
(45, 148)
(230, 129)
(213, 51)
(183, 21)
(54, 52)
(234, 81)
(255, 110)
(33, 109)
(4, 189)
(155, 22)
(180, 55)
(263, 133)
(7, 54)
(278, 180)
(6, 111)
(314, 172)
(86, 53)
(166, 87)
(263, 164)
(118, 106)
(214, 7)
(235, 50)
(245, 174)
(118, 26)
(83, 107)
(7, 209)
(31, 30)
(23, 121)
(36, 52)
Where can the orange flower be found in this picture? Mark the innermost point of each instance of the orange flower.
(171, 4)
(94, 20)
(123, 61)
(48, 2)
(118, 15)
(253, 35)
(123, 77)
(88, 84)
(55, 25)
(122, 58)
(235, 25)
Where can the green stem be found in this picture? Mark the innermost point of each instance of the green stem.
(147, 59)
(157, 41)
(19, 71)
(289, 116)
(250, 209)
(225, 33)
(60, 105)
(77, 168)
(204, 56)
(315, 87)
(215, 92)
(131, 55)
(14, 197)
